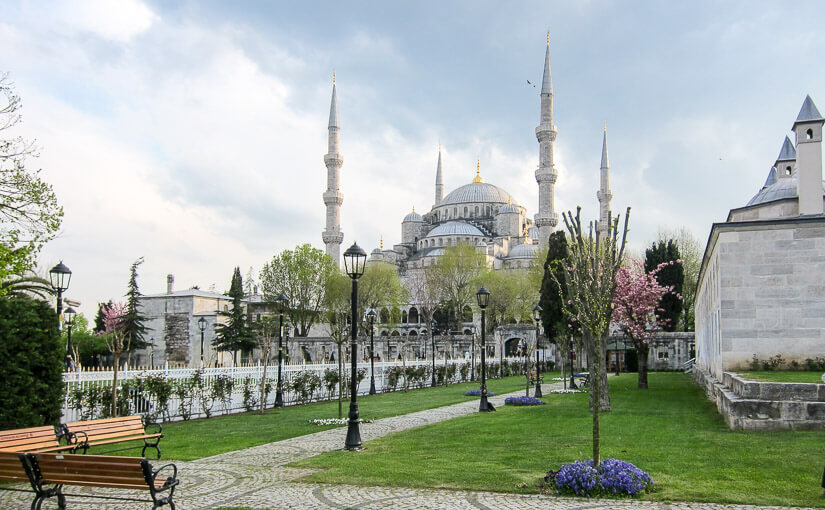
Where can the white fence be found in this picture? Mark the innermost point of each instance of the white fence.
(143, 402)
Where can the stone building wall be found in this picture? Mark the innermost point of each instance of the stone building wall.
(762, 293)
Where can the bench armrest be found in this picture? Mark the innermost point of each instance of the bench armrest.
(172, 480)
(77, 440)
(147, 425)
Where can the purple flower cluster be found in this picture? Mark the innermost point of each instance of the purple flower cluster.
(523, 401)
(613, 476)
(477, 393)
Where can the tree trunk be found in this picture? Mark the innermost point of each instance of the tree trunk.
(263, 384)
(114, 385)
(603, 389)
(595, 386)
(642, 350)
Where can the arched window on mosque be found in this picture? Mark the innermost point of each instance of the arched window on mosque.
(403, 317)
(788, 170)
(385, 316)
(476, 213)
(465, 212)
(413, 316)
(809, 134)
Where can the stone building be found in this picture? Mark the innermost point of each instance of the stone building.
(173, 327)
(761, 290)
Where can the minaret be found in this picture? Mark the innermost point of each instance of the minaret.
(333, 198)
(808, 130)
(546, 174)
(439, 184)
(604, 195)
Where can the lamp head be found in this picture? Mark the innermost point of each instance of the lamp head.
(355, 260)
(60, 276)
(202, 323)
(483, 297)
(69, 315)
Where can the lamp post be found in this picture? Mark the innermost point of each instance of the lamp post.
(279, 392)
(432, 338)
(371, 318)
(616, 352)
(536, 319)
(483, 298)
(572, 381)
(60, 276)
(355, 259)
(152, 352)
(69, 315)
(202, 327)
(473, 358)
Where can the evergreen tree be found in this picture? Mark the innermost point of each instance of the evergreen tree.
(133, 327)
(100, 324)
(234, 335)
(672, 275)
(553, 317)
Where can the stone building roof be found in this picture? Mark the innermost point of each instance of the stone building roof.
(477, 192)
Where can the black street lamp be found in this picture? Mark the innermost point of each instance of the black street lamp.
(69, 314)
(355, 260)
(202, 326)
(152, 352)
(616, 352)
(536, 319)
(371, 318)
(483, 298)
(473, 358)
(432, 338)
(281, 301)
(60, 276)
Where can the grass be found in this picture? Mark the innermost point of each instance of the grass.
(783, 376)
(670, 430)
(189, 440)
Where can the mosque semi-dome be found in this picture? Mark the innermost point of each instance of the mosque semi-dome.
(452, 228)
(509, 208)
(781, 188)
(476, 192)
(523, 251)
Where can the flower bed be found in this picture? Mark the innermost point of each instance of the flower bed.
(523, 401)
(333, 421)
(567, 391)
(477, 393)
(613, 477)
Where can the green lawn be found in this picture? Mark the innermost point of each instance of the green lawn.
(670, 430)
(798, 377)
(189, 440)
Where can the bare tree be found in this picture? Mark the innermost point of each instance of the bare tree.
(265, 330)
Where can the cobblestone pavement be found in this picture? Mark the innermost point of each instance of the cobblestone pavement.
(258, 478)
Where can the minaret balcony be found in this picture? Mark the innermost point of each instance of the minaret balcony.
(334, 159)
(333, 198)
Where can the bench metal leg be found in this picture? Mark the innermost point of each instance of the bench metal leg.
(149, 445)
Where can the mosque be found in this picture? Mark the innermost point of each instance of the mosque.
(478, 213)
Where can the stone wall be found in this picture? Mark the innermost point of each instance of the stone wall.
(176, 337)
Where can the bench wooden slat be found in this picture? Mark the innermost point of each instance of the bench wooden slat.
(30, 439)
(102, 421)
(120, 440)
(11, 468)
(93, 436)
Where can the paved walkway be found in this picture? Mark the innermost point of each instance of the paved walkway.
(257, 478)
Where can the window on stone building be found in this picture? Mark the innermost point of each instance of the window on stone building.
(787, 170)
(809, 134)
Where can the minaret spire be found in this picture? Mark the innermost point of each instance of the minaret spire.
(604, 195)
(333, 198)
(546, 219)
(439, 184)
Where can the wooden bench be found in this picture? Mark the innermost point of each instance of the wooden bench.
(12, 469)
(112, 431)
(35, 439)
(584, 379)
(534, 377)
(48, 473)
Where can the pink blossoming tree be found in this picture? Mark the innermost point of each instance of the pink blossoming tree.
(117, 341)
(635, 303)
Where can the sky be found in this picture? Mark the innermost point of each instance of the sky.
(192, 134)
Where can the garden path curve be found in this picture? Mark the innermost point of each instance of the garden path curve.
(257, 478)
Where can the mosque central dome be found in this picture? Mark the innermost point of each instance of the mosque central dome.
(476, 192)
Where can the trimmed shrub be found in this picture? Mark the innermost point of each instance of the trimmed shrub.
(477, 393)
(31, 361)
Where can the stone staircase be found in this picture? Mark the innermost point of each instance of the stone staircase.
(756, 405)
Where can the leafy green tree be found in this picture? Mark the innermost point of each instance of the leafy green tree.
(29, 213)
(380, 287)
(673, 275)
(31, 361)
(234, 335)
(338, 308)
(457, 272)
(553, 287)
(132, 322)
(691, 254)
(300, 275)
(30, 284)
(265, 331)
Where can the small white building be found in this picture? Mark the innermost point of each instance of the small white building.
(761, 289)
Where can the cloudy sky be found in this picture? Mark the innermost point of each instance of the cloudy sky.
(193, 133)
